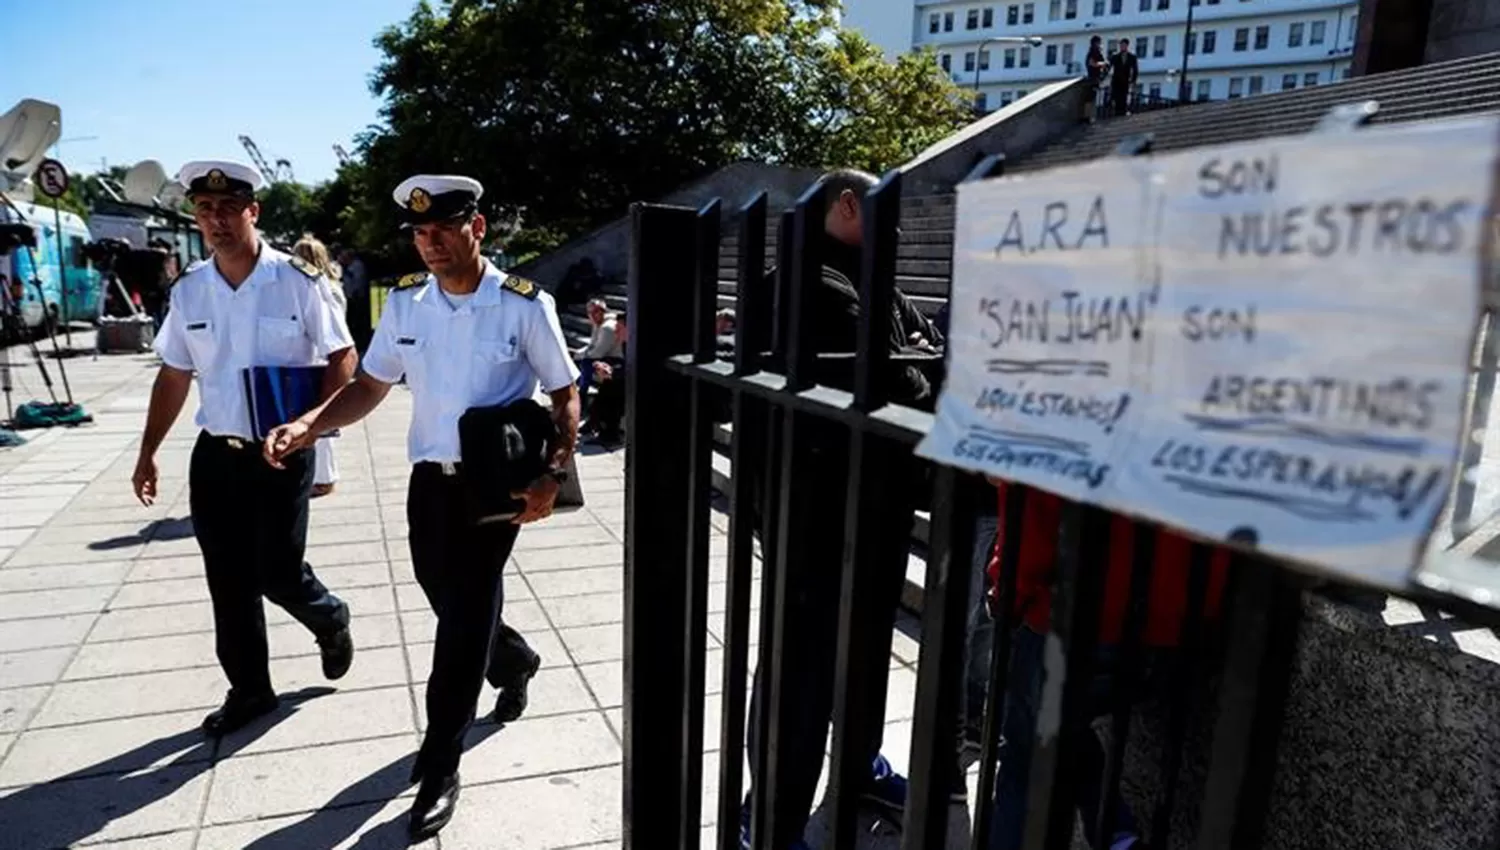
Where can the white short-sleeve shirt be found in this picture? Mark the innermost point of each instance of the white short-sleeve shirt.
(492, 348)
(279, 316)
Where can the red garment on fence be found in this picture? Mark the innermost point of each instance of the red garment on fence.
(1166, 603)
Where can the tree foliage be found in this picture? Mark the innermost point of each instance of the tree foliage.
(568, 110)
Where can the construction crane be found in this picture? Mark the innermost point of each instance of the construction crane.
(343, 155)
(282, 173)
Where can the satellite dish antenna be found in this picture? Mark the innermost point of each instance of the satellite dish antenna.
(26, 132)
(144, 183)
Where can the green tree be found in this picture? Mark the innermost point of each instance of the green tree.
(568, 110)
(287, 210)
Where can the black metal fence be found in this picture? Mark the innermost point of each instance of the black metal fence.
(786, 426)
(1135, 102)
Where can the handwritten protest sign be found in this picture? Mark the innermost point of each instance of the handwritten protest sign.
(1272, 347)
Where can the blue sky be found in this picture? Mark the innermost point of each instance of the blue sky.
(176, 80)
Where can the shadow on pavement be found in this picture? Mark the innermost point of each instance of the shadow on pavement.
(82, 804)
(170, 528)
(341, 817)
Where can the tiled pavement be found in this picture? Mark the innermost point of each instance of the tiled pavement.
(107, 664)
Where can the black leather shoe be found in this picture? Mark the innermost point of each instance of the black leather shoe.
(338, 653)
(239, 711)
(436, 801)
(512, 700)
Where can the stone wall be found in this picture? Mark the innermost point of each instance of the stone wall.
(1017, 130)
(609, 246)
(1460, 28)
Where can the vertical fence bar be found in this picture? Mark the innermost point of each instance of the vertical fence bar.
(1005, 626)
(1184, 682)
(940, 666)
(699, 469)
(798, 515)
(657, 496)
(1262, 633)
(1128, 673)
(873, 554)
(752, 331)
(760, 758)
(1063, 715)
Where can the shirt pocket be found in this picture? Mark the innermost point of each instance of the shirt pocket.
(280, 338)
(198, 336)
(494, 361)
(412, 352)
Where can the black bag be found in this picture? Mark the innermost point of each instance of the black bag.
(505, 447)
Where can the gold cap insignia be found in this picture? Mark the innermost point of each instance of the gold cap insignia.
(419, 201)
(215, 179)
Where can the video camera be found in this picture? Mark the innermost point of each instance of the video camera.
(105, 253)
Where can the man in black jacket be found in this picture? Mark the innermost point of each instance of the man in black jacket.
(1124, 68)
(833, 318)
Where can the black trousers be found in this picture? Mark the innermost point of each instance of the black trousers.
(459, 565)
(251, 525)
(1119, 97)
(810, 664)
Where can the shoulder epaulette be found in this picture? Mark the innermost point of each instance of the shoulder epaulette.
(303, 266)
(410, 280)
(520, 286)
(191, 267)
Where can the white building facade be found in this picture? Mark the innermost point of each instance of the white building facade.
(1234, 48)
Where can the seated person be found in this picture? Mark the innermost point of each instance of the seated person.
(604, 344)
(607, 413)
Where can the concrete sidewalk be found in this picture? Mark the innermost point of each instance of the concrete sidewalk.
(107, 664)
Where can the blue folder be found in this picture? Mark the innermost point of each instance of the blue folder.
(279, 394)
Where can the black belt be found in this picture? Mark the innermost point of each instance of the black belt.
(442, 467)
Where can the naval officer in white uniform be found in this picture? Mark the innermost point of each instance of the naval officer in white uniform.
(247, 305)
(466, 335)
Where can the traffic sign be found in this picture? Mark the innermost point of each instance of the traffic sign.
(51, 178)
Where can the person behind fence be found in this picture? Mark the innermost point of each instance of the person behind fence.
(607, 413)
(465, 336)
(812, 626)
(1123, 70)
(604, 343)
(1167, 601)
(325, 463)
(248, 305)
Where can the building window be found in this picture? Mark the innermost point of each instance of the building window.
(1192, 43)
(969, 61)
(1145, 5)
(1288, 82)
(1004, 99)
(1310, 79)
(1012, 15)
(1262, 37)
(1155, 91)
(1236, 87)
(1353, 27)
(1067, 54)
(1028, 13)
(1098, 8)
(946, 61)
(972, 20)
(934, 22)
(1210, 41)
(1294, 34)
(1070, 9)
(947, 22)
(1203, 89)
(1025, 57)
(1319, 32)
(981, 102)
(1054, 10)
(1116, 6)
(1159, 46)
(1163, 5)
(1257, 84)
(1142, 45)
(1051, 56)
(984, 60)
(989, 17)
(1020, 94)
(1241, 39)
(1212, 2)
(1010, 57)
(1346, 72)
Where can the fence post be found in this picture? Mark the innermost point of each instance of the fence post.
(657, 499)
(877, 528)
(699, 530)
